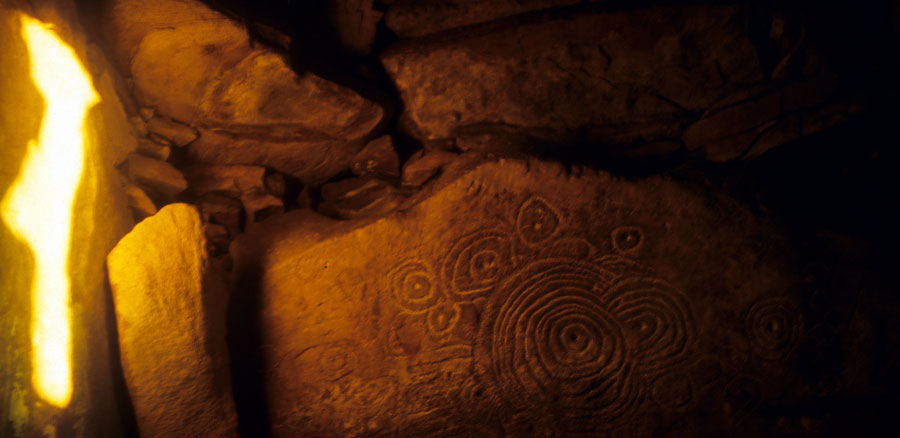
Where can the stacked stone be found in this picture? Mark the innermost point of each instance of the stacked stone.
(466, 243)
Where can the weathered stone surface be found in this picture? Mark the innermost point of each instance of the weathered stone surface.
(170, 309)
(247, 183)
(311, 161)
(379, 157)
(177, 133)
(516, 299)
(233, 181)
(275, 184)
(155, 175)
(140, 203)
(410, 18)
(578, 75)
(147, 113)
(139, 125)
(115, 131)
(259, 206)
(198, 67)
(424, 165)
(218, 237)
(153, 149)
(359, 197)
(758, 123)
(222, 210)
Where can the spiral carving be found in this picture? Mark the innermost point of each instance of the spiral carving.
(551, 340)
(537, 221)
(658, 318)
(773, 326)
(475, 263)
(413, 286)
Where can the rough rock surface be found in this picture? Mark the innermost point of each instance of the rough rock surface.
(517, 299)
(608, 79)
(198, 67)
(425, 165)
(249, 184)
(379, 157)
(170, 309)
(157, 176)
(647, 67)
(359, 197)
(311, 160)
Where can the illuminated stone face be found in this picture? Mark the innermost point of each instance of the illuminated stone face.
(38, 206)
(517, 299)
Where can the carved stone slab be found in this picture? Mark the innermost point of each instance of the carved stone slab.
(519, 299)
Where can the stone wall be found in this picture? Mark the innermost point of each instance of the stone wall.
(492, 217)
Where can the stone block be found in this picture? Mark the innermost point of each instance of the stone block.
(557, 75)
(170, 310)
(517, 299)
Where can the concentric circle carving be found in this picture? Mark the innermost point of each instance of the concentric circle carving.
(551, 340)
(413, 286)
(443, 318)
(475, 263)
(658, 319)
(773, 326)
(537, 220)
(627, 239)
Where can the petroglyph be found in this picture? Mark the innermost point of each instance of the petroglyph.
(537, 220)
(773, 326)
(475, 263)
(534, 306)
(413, 286)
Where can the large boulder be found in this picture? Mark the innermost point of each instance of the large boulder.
(514, 298)
(170, 308)
(199, 67)
(619, 80)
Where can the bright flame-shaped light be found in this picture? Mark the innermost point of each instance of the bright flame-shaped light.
(38, 206)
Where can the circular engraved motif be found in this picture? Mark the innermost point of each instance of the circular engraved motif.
(627, 239)
(475, 263)
(658, 319)
(413, 286)
(551, 341)
(442, 318)
(537, 220)
(773, 326)
(330, 361)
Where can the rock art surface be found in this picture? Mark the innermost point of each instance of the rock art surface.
(170, 309)
(517, 299)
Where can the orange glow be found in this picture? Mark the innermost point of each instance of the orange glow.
(38, 206)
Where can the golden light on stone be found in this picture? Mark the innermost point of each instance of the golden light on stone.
(38, 206)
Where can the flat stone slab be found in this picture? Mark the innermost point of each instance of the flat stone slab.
(520, 299)
(170, 311)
